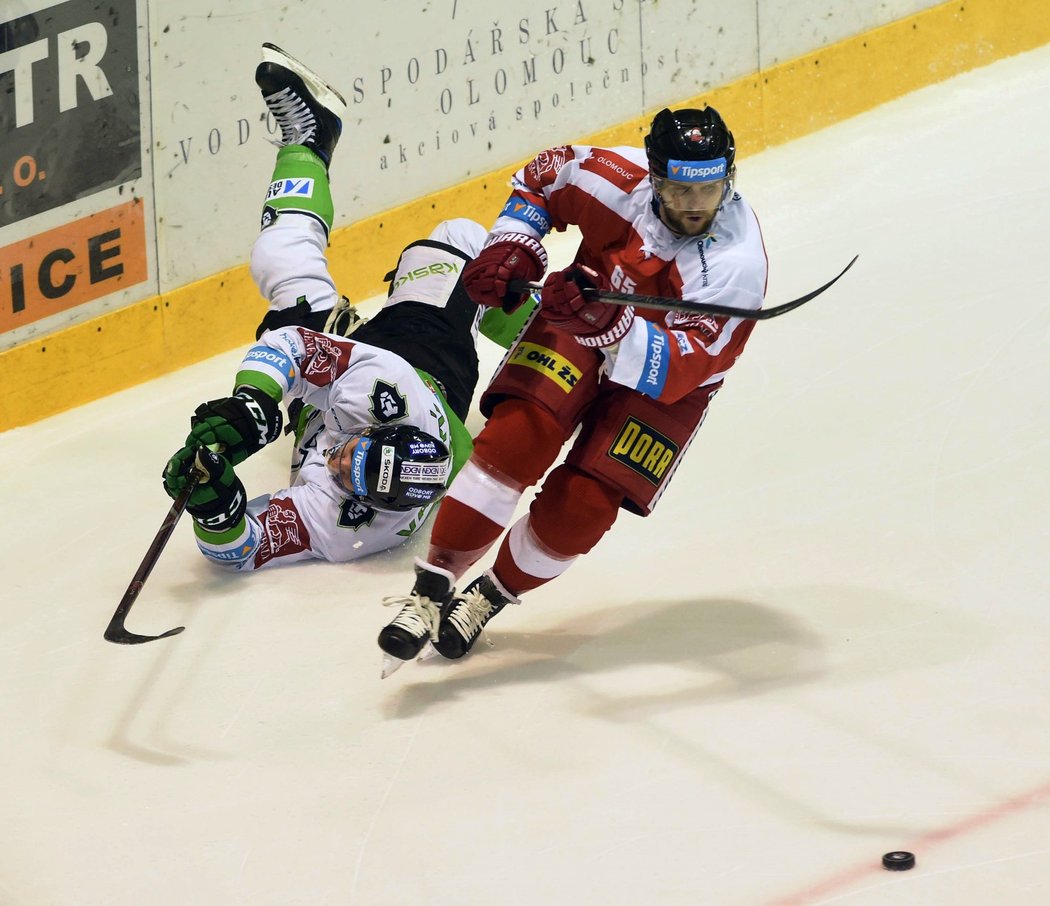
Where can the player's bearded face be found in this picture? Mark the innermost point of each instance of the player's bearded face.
(689, 208)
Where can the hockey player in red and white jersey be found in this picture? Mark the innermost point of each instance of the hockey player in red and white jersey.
(376, 405)
(662, 221)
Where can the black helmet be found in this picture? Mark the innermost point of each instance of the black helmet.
(394, 468)
(689, 135)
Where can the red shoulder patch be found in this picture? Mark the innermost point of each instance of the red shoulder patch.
(543, 169)
(325, 358)
(284, 532)
(708, 325)
(621, 172)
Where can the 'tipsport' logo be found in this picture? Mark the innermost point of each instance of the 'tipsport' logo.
(696, 171)
(527, 213)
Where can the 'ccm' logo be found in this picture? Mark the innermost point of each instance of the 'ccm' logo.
(644, 450)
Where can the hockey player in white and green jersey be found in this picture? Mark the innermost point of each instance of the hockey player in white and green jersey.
(377, 406)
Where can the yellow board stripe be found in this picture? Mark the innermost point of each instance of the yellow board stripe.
(150, 338)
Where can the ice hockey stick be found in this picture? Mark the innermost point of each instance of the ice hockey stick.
(115, 631)
(698, 308)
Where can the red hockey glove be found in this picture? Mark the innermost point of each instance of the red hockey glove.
(593, 323)
(511, 256)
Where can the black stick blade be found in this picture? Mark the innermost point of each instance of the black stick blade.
(122, 636)
(115, 631)
(118, 633)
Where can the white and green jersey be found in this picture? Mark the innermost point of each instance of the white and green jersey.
(349, 385)
(382, 375)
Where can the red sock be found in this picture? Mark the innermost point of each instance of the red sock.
(461, 535)
(481, 501)
(566, 519)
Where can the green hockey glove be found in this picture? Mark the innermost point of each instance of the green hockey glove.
(218, 502)
(238, 425)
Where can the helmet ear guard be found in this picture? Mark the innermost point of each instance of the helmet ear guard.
(396, 468)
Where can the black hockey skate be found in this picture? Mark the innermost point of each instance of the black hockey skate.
(464, 617)
(308, 111)
(417, 623)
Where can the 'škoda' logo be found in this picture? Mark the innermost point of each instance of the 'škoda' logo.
(644, 450)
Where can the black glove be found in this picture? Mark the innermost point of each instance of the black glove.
(593, 323)
(238, 425)
(512, 256)
(218, 502)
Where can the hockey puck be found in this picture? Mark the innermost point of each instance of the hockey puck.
(898, 861)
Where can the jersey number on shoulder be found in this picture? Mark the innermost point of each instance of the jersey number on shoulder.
(621, 282)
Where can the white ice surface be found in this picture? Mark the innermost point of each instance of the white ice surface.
(830, 640)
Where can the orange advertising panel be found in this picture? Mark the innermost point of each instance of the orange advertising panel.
(73, 264)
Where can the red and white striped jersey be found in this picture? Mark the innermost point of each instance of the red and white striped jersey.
(606, 193)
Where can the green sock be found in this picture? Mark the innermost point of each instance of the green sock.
(300, 184)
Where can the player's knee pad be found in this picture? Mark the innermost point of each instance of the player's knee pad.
(573, 511)
(520, 441)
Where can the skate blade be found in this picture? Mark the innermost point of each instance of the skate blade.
(428, 654)
(321, 90)
(391, 665)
